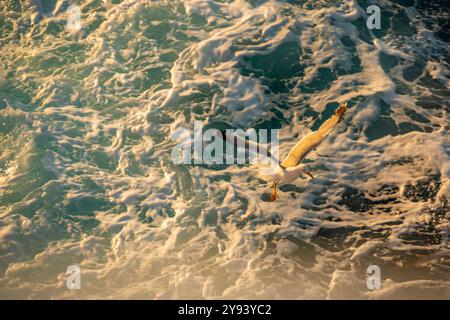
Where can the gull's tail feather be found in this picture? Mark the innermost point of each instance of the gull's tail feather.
(266, 172)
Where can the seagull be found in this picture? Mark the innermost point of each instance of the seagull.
(290, 168)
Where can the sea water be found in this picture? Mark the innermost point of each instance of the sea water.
(88, 106)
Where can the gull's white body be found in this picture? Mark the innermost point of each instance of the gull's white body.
(277, 173)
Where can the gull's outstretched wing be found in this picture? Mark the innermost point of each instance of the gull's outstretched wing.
(312, 140)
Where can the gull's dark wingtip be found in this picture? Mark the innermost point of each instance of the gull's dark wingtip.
(341, 110)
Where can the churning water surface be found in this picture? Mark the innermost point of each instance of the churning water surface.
(86, 176)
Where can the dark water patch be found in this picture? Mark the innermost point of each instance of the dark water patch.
(363, 31)
(334, 239)
(299, 3)
(386, 189)
(198, 109)
(349, 43)
(159, 118)
(321, 81)
(166, 211)
(355, 60)
(222, 177)
(247, 71)
(94, 24)
(434, 14)
(430, 102)
(87, 225)
(416, 116)
(385, 108)
(45, 198)
(308, 112)
(153, 76)
(248, 220)
(372, 234)
(305, 223)
(184, 184)
(71, 52)
(291, 188)
(319, 201)
(94, 6)
(276, 67)
(169, 56)
(276, 122)
(333, 219)
(435, 86)
(424, 190)
(439, 209)
(388, 61)
(14, 5)
(101, 159)
(210, 218)
(157, 31)
(383, 126)
(17, 94)
(401, 25)
(414, 71)
(271, 246)
(405, 3)
(87, 205)
(423, 235)
(159, 12)
(46, 6)
(401, 87)
(444, 32)
(330, 108)
(406, 127)
(265, 197)
(222, 127)
(358, 200)
(279, 114)
(276, 219)
(197, 20)
(305, 252)
(220, 196)
(355, 200)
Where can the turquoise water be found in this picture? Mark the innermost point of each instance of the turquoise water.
(86, 176)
